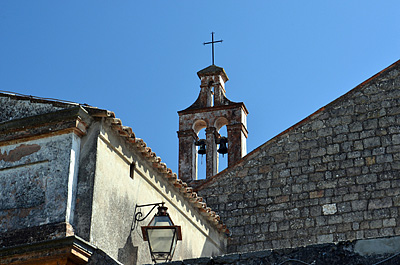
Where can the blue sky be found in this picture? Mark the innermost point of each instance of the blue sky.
(285, 59)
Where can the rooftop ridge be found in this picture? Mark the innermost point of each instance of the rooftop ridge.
(250, 155)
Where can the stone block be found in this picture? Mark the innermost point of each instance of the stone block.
(372, 142)
(375, 224)
(341, 129)
(281, 199)
(315, 211)
(329, 209)
(359, 205)
(340, 138)
(335, 219)
(358, 145)
(388, 158)
(380, 203)
(355, 127)
(344, 207)
(308, 144)
(274, 191)
(355, 154)
(353, 171)
(327, 184)
(277, 216)
(324, 132)
(347, 164)
(283, 226)
(363, 179)
(333, 149)
(309, 186)
(316, 194)
(367, 133)
(389, 222)
(321, 239)
(396, 201)
(396, 139)
(370, 124)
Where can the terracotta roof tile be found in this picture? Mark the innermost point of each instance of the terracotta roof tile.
(167, 173)
(127, 133)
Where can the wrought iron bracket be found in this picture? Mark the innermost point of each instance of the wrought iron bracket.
(138, 215)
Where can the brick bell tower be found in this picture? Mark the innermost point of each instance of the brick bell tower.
(212, 110)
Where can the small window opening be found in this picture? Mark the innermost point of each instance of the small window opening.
(132, 170)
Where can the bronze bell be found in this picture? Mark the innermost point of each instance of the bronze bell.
(222, 146)
(202, 146)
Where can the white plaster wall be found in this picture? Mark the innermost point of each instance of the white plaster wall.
(73, 177)
(115, 197)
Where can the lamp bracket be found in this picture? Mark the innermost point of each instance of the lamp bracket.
(138, 215)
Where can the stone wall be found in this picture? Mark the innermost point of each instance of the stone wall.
(17, 107)
(332, 177)
(342, 253)
(34, 179)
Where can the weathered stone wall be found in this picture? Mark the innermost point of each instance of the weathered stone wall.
(34, 179)
(343, 253)
(333, 177)
(18, 107)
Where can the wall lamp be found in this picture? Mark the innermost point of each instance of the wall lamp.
(161, 233)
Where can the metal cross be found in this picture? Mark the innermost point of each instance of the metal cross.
(212, 45)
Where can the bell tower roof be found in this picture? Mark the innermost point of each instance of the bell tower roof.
(211, 111)
(213, 70)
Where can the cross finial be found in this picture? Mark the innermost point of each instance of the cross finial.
(212, 45)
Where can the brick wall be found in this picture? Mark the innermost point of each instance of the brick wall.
(332, 177)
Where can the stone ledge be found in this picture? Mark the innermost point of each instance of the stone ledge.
(35, 234)
(67, 250)
(341, 253)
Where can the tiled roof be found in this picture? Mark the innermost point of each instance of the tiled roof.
(155, 161)
(126, 133)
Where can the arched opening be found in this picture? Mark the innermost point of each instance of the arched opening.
(201, 159)
(220, 124)
(199, 127)
(222, 158)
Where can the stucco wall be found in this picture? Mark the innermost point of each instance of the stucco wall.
(115, 197)
(333, 177)
(35, 177)
(85, 182)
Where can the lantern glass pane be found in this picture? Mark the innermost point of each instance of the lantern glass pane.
(161, 240)
(161, 221)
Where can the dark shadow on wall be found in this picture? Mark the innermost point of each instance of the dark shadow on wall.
(128, 254)
(99, 257)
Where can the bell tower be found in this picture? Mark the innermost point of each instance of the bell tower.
(212, 110)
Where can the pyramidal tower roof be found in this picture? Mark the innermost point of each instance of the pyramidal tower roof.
(213, 70)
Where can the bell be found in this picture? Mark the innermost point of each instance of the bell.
(202, 149)
(202, 146)
(222, 146)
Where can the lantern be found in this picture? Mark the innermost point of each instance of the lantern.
(162, 235)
